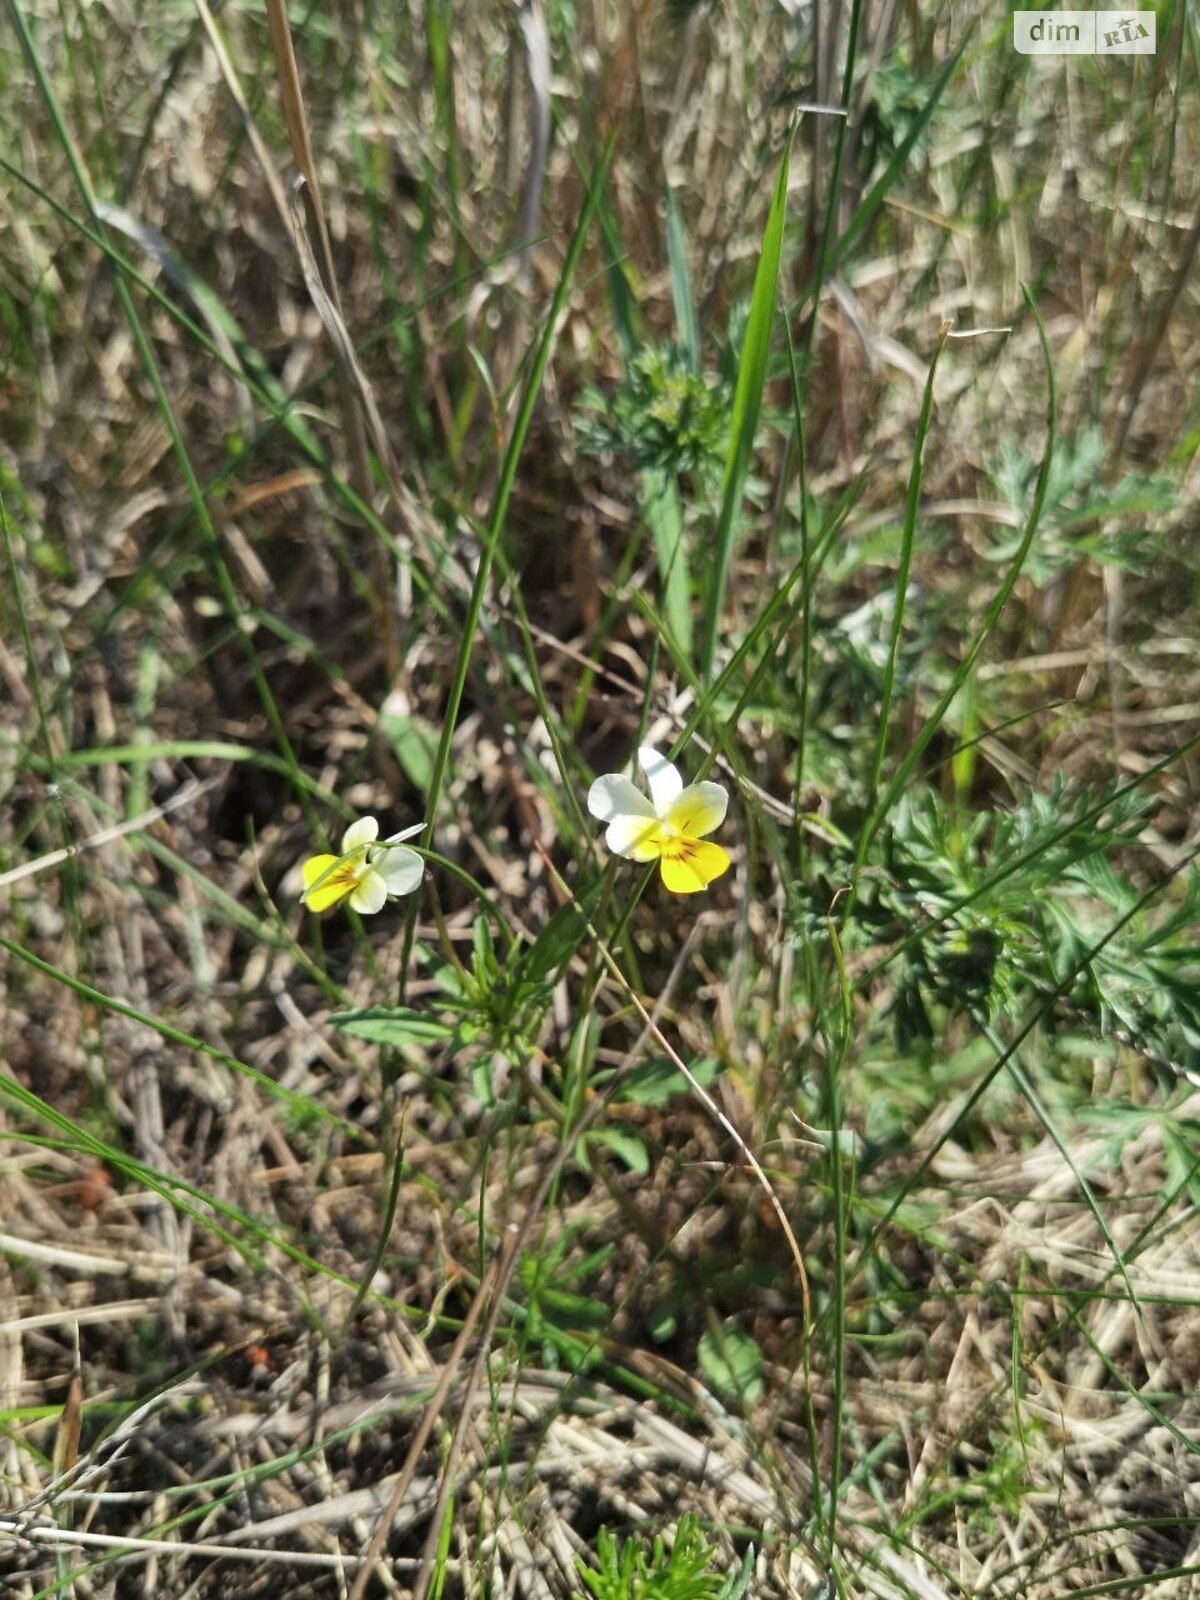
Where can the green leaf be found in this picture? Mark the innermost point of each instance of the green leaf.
(657, 1082)
(629, 1148)
(732, 1362)
(394, 1025)
(487, 969)
(662, 1322)
(559, 939)
(738, 1582)
(747, 401)
(414, 742)
(1000, 600)
(483, 1083)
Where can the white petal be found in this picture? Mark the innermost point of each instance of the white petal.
(400, 869)
(635, 838)
(370, 894)
(377, 852)
(359, 833)
(405, 833)
(615, 796)
(665, 783)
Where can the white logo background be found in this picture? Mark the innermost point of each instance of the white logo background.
(1084, 33)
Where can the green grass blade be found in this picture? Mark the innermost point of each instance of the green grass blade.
(187, 1198)
(907, 540)
(747, 402)
(687, 324)
(299, 1104)
(664, 514)
(508, 473)
(873, 200)
(220, 569)
(963, 671)
(842, 1031)
(805, 607)
(1021, 1078)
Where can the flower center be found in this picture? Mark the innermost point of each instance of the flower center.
(675, 846)
(350, 874)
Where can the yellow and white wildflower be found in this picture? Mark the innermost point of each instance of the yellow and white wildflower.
(670, 827)
(367, 873)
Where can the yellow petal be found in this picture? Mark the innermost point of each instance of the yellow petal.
(692, 865)
(635, 838)
(315, 866)
(699, 810)
(325, 883)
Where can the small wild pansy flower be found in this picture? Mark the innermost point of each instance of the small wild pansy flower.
(367, 873)
(670, 827)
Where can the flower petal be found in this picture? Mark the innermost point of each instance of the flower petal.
(614, 796)
(665, 783)
(405, 833)
(315, 866)
(635, 838)
(359, 833)
(699, 810)
(687, 871)
(370, 893)
(401, 869)
(325, 882)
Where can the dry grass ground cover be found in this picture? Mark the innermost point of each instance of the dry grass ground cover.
(849, 1206)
